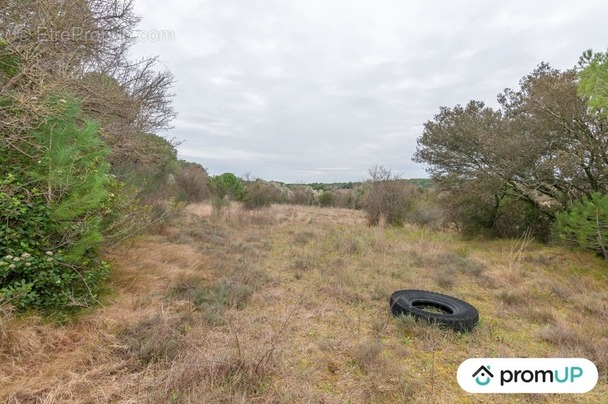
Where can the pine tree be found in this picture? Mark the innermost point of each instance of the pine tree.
(73, 175)
(586, 224)
(52, 201)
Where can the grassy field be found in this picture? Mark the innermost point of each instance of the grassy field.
(290, 304)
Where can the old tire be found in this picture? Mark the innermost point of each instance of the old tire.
(435, 308)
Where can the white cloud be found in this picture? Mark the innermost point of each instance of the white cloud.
(281, 88)
(273, 72)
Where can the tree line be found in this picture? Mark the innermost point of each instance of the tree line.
(538, 163)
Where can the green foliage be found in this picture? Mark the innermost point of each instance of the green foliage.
(318, 186)
(124, 215)
(386, 197)
(593, 80)
(150, 174)
(586, 224)
(192, 181)
(422, 182)
(51, 211)
(259, 194)
(358, 195)
(511, 170)
(72, 172)
(301, 195)
(326, 199)
(515, 217)
(146, 190)
(321, 186)
(342, 198)
(228, 186)
(9, 62)
(35, 271)
(424, 208)
(218, 203)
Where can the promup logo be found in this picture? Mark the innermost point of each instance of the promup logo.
(527, 375)
(484, 373)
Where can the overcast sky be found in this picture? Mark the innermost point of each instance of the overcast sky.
(322, 90)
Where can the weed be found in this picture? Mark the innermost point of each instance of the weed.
(450, 262)
(6, 314)
(462, 251)
(517, 252)
(541, 315)
(365, 353)
(302, 263)
(212, 300)
(406, 324)
(444, 281)
(514, 297)
(378, 293)
(303, 237)
(564, 335)
(346, 242)
(151, 339)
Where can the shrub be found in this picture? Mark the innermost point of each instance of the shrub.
(586, 224)
(153, 339)
(386, 197)
(126, 216)
(342, 198)
(258, 194)
(302, 195)
(154, 175)
(228, 185)
(193, 182)
(51, 212)
(213, 300)
(424, 208)
(515, 218)
(326, 199)
(358, 196)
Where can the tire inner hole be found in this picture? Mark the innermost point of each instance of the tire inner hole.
(432, 307)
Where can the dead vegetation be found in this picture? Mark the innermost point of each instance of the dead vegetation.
(290, 304)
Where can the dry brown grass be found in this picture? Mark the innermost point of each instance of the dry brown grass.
(290, 304)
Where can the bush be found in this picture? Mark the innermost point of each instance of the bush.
(386, 197)
(342, 198)
(516, 218)
(29, 275)
(586, 224)
(425, 210)
(357, 197)
(193, 182)
(227, 186)
(259, 194)
(126, 216)
(326, 199)
(51, 212)
(302, 195)
(154, 175)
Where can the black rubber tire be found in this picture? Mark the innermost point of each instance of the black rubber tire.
(456, 314)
